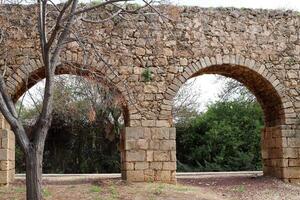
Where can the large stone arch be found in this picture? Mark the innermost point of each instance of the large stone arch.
(279, 135)
(28, 76)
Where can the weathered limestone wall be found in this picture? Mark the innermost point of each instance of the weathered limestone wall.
(7, 153)
(259, 48)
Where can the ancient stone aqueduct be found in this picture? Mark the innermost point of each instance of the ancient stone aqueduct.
(259, 48)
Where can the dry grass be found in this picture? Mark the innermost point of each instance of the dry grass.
(111, 190)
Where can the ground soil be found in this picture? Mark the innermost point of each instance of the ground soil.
(211, 188)
(247, 188)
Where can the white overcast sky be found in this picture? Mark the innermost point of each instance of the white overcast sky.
(267, 4)
(207, 86)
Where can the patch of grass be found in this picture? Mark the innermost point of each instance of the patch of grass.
(113, 192)
(240, 188)
(159, 189)
(95, 189)
(181, 188)
(147, 75)
(46, 192)
(152, 198)
(20, 189)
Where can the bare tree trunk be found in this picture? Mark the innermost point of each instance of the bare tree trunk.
(34, 161)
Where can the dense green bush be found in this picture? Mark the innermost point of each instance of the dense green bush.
(225, 138)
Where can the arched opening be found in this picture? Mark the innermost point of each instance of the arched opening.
(261, 84)
(84, 128)
(218, 126)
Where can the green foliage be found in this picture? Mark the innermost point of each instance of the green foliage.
(159, 189)
(95, 189)
(84, 134)
(113, 192)
(225, 138)
(240, 188)
(96, 2)
(147, 75)
(46, 193)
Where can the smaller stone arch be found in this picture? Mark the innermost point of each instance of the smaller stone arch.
(279, 113)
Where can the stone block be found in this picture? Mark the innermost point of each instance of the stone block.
(163, 176)
(169, 166)
(172, 132)
(2, 123)
(147, 133)
(293, 142)
(128, 166)
(160, 133)
(156, 165)
(173, 156)
(162, 123)
(290, 152)
(264, 154)
(142, 144)
(161, 156)
(130, 144)
(4, 133)
(183, 61)
(167, 145)
(11, 165)
(140, 51)
(148, 123)
(134, 132)
(11, 155)
(294, 162)
(135, 176)
(135, 123)
(4, 177)
(3, 154)
(291, 172)
(138, 155)
(141, 165)
(279, 162)
(4, 165)
(154, 144)
(149, 155)
(149, 175)
(281, 142)
(11, 175)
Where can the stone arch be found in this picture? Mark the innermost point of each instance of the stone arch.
(277, 143)
(27, 76)
(256, 76)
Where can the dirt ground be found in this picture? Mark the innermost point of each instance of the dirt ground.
(247, 188)
(225, 188)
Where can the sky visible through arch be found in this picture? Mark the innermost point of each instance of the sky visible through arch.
(207, 87)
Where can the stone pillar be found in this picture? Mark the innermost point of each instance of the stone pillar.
(7, 153)
(281, 153)
(150, 154)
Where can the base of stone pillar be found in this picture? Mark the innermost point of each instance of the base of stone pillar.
(149, 154)
(149, 175)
